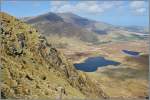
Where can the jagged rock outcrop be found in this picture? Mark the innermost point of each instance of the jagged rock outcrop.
(33, 68)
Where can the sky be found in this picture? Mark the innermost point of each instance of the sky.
(122, 13)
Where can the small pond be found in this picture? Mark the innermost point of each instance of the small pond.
(131, 53)
(92, 63)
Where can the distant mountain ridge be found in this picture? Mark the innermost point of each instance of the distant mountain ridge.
(88, 24)
(51, 23)
(72, 25)
(46, 17)
(139, 29)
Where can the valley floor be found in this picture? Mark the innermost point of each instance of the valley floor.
(129, 79)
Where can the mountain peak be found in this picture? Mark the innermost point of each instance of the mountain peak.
(68, 13)
(48, 17)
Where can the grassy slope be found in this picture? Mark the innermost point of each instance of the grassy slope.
(71, 43)
(37, 73)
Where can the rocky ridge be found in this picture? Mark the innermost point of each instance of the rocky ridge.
(33, 68)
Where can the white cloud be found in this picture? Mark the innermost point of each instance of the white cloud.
(98, 7)
(88, 7)
(58, 3)
(65, 8)
(139, 7)
(137, 4)
(91, 7)
(141, 10)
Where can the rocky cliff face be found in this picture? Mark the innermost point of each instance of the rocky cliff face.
(33, 68)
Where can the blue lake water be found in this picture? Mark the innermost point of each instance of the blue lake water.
(131, 53)
(92, 63)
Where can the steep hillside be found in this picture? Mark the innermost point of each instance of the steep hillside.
(33, 68)
(91, 25)
(105, 31)
(99, 27)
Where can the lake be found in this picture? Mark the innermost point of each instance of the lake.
(131, 53)
(92, 63)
